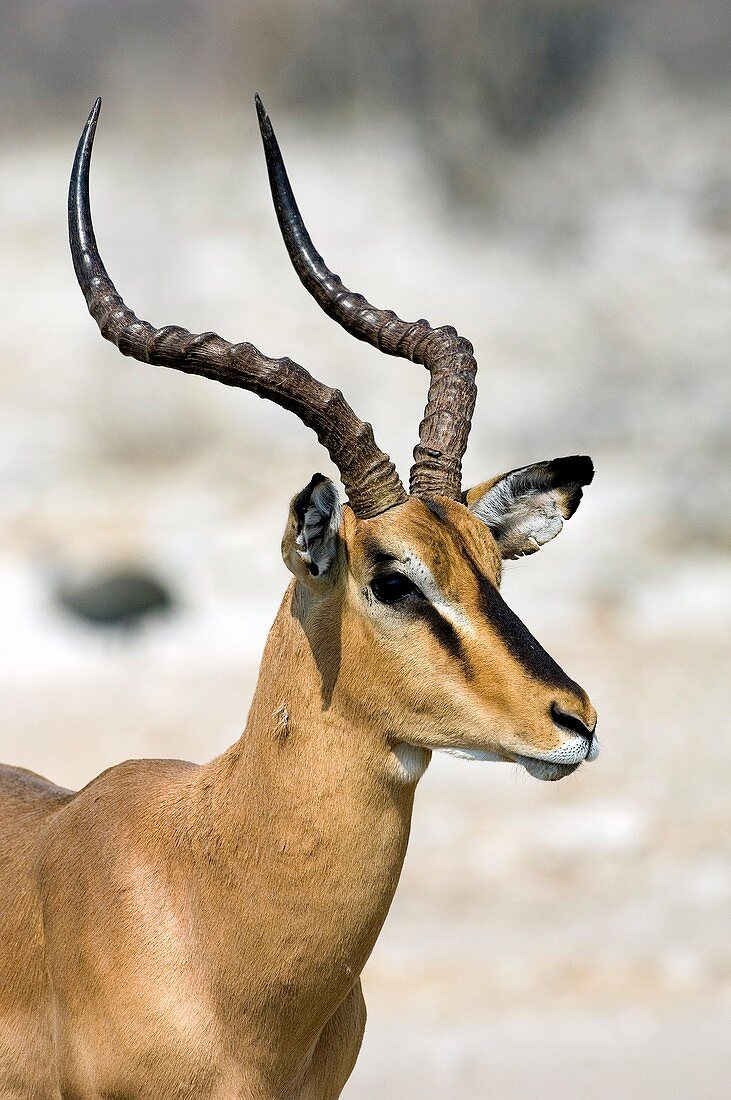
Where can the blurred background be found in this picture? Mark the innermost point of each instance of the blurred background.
(553, 178)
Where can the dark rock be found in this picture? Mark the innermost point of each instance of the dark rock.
(121, 597)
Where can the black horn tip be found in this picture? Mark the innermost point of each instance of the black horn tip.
(81, 231)
(265, 125)
(87, 136)
(94, 114)
(83, 150)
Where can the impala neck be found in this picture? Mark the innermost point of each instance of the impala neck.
(306, 819)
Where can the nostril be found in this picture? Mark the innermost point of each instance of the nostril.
(571, 722)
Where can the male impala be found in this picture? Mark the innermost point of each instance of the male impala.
(179, 931)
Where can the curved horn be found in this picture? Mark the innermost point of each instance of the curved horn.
(368, 474)
(444, 430)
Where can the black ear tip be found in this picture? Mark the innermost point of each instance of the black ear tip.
(584, 469)
(315, 480)
(302, 500)
(573, 469)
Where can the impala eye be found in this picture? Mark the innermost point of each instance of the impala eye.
(393, 587)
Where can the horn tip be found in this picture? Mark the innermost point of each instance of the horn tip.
(264, 122)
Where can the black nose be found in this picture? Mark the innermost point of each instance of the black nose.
(571, 722)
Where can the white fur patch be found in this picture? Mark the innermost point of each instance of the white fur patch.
(471, 754)
(422, 577)
(411, 761)
(593, 750)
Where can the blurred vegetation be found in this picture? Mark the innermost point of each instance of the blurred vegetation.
(465, 74)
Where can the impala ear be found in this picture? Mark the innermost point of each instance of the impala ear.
(310, 542)
(526, 508)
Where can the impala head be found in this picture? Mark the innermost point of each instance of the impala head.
(400, 592)
(411, 633)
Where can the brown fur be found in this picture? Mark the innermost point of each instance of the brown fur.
(183, 931)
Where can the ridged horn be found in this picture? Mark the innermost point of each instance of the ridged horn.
(367, 473)
(449, 357)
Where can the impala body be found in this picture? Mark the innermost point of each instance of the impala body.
(177, 931)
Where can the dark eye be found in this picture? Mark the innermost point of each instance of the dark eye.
(393, 587)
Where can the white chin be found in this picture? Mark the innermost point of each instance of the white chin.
(544, 769)
(471, 754)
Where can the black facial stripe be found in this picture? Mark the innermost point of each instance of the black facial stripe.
(444, 633)
(520, 642)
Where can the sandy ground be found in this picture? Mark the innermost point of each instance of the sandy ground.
(546, 940)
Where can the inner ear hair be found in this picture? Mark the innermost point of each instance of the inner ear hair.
(318, 515)
(565, 477)
(526, 508)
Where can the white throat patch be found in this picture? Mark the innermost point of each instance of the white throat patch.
(410, 761)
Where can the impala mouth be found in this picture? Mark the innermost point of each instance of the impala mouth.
(549, 766)
(561, 762)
